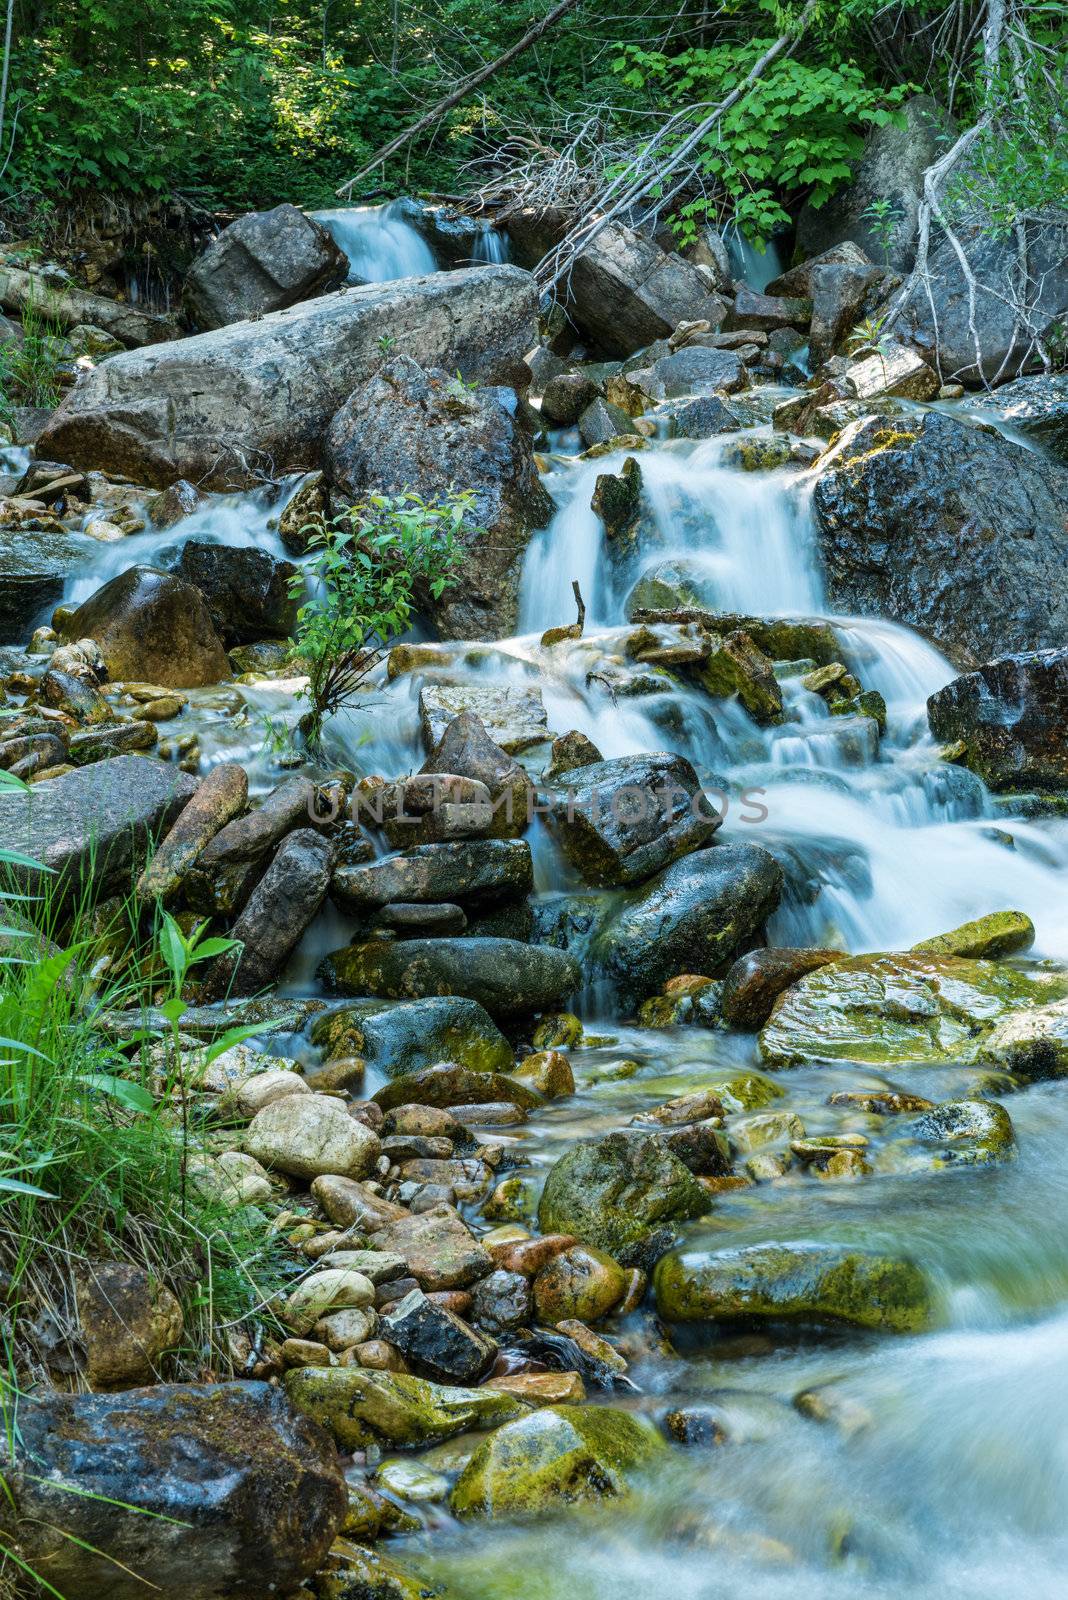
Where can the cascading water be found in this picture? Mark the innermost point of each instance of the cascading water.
(379, 243)
(754, 267)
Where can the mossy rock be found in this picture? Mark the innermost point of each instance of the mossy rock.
(971, 1133)
(362, 1407)
(893, 1010)
(748, 1092)
(811, 1283)
(1002, 933)
(560, 1031)
(559, 1456)
(1031, 1044)
(412, 1035)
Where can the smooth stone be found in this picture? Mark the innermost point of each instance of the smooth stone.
(439, 1249)
(311, 1135)
(756, 981)
(332, 1289)
(127, 1322)
(972, 1132)
(411, 1036)
(507, 977)
(579, 1283)
(361, 1406)
(1002, 933)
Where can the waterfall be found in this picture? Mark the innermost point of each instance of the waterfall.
(380, 245)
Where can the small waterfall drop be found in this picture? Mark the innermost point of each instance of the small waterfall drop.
(754, 267)
(380, 245)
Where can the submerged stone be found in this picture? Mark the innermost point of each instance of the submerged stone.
(1032, 1043)
(971, 1132)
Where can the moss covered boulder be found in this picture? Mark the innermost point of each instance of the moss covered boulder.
(559, 1455)
(360, 1406)
(970, 1133)
(1002, 933)
(414, 1034)
(811, 1283)
(1032, 1043)
(890, 1010)
(622, 1194)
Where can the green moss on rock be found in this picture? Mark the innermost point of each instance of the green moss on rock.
(361, 1407)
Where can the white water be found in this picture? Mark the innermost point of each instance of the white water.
(380, 245)
(755, 267)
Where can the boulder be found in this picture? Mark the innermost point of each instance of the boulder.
(509, 978)
(896, 1010)
(251, 837)
(437, 1343)
(703, 418)
(766, 312)
(127, 1323)
(152, 628)
(557, 1456)
(34, 567)
(514, 719)
(450, 1085)
(264, 261)
(734, 664)
(469, 871)
(696, 916)
(1011, 716)
(891, 169)
(808, 1283)
(1031, 1044)
(175, 504)
(225, 406)
(178, 1486)
(694, 369)
(407, 1037)
(622, 1193)
(566, 396)
(1002, 933)
(221, 796)
(466, 749)
(951, 529)
(439, 1249)
(361, 1407)
(425, 431)
(756, 981)
(1035, 407)
(308, 1135)
(92, 823)
(620, 821)
(978, 337)
(624, 291)
(970, 1133)
(247, 590)
(579, 1282)
(279, 911)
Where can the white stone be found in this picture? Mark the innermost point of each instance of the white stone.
(336, 1289)
(311, 1136)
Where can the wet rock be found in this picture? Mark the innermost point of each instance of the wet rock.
(702, 1147)
(901, 502)
(251, 837)
(542, 1388)
(736, 665)
(810, 1283)
(409, 1037)
(466, 749)
(558, 1456)
(756, 981)
(506, 977)
(1002, 933)
(450, 1085)
(34, 568)
(175, 503)
(549, 1071)
(221, 796)
(177, 1486)
(97, 744)
(279, 911)
(970, 1132)
(436, 1343)
(306, 514)
(622, 1194)
(693, 916)
(766, 1128)
(423, 431)
(319, 1294)
(515, 719)
(75, 696)
(247, 590)
(601, 422)
(1011, 716)
(886, 1010)
(309, 1135)
(570, 751)
(703, 418)
(264, 261)
(766, 312)
(566, 396)
(440, 1250)
(361, 1407)
(127, 1323)
(475, 870)
(502, 1302)
(624, 292)
(95, 822)
(895, 372)
(1036, 407)
(578, 1283)
(620, 821)
(1031, 1044)
(692, 370)
(152, 627)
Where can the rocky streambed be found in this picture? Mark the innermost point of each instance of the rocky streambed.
(660, 1099)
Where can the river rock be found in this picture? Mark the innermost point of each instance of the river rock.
(438, 1247)
(152, 628)
(890, 1010)
(579, 1282)
(262, 262)
(465, 748)
(507, 977)
(467, 871)
(557, 1456)
(842, 285)
(735, 665)
(436, 1342)
(247, 590)
(34, 567)
(622, 1194)
(1002, 933)
(279, 911)
(514, 719)
(227, 404)
(311, 1134)
(320, 1293)
(448, 1085)
(1011, 716)
(765, 312)
(94, 822)
(407, 1037)
(177, 1486)
(175, 504)
(251, 837)
(566, 396)
(620, 821)
(623, 292)
(221, 796)
(693, 370)
(695, 916)
(1036, 407)
(756, 981)
(361, 1407)
(127, 1322)
(502, 1302)
(1032, 1043)
(901, 502)
(422, 430)
(970, 1132)
(810, 1283)
(703, 418)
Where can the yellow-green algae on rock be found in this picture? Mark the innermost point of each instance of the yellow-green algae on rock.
(1002, 933)
(360, 1406)
(795, 1282)
(558, 1455)
(888, 1010)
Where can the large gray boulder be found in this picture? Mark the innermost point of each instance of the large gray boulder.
(891, 168)
(951, 529)
(508, 978)
(620, 821)
(262, 262)
(247, 590)
(624, 291)
(152, 628)
(34, 568)
(224, 406)
(206, 1490)
(1012, 717)
(1035, 407)
(410, 428)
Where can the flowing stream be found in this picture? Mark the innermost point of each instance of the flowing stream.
(951, 1477)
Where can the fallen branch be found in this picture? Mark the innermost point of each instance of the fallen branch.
(473, 81)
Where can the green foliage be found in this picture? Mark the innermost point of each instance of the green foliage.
(882, 217)
(365, 571)
(28, 366)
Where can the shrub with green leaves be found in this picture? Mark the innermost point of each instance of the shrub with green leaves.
(366, 570)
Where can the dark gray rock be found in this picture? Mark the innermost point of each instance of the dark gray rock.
(509, 978)
(624, 291)
(289, 805)
(703, 418)
(1036, 407)
(843, 287)
(413, 1035)
(262, 262)
(279, 912)
(566, 397)
(466, 749)
(696, 916)
(247, 590)
(502, 1302)
(695, 369)
(475, 870)
(152, 628)
(620, 821)
(949, 528)
(204, 1490)
(422, 430)
(601, 421)
(436, 1343)
(96, 822)
(1012, 716)
(764, 312)
(34, 568)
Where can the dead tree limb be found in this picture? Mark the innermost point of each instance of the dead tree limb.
(473, 81)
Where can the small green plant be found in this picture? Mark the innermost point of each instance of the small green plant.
(29, 366)
(459, 385)
(883, 217)
(386, 341)
(868, 335)
(365, 571)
